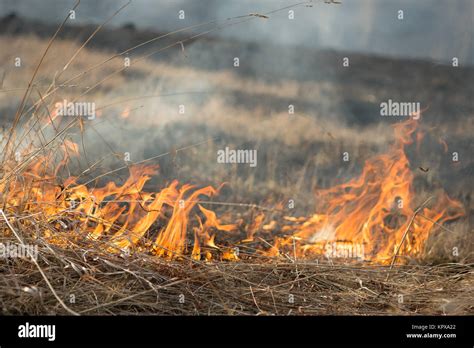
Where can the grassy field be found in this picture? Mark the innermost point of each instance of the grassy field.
(336, 111)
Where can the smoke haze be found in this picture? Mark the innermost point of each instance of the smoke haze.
(434, 30)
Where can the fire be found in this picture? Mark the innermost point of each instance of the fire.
(373, 211)
(366, 218)
(121, 214)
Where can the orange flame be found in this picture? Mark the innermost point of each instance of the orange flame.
(372, 212)
(367, 217)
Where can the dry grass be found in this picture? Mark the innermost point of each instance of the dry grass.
(107, 284)
(101, 282)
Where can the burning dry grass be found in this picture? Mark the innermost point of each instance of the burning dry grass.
(100, 257)
(91, 281)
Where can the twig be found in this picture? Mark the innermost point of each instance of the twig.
(406, 232)
(255, 300)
